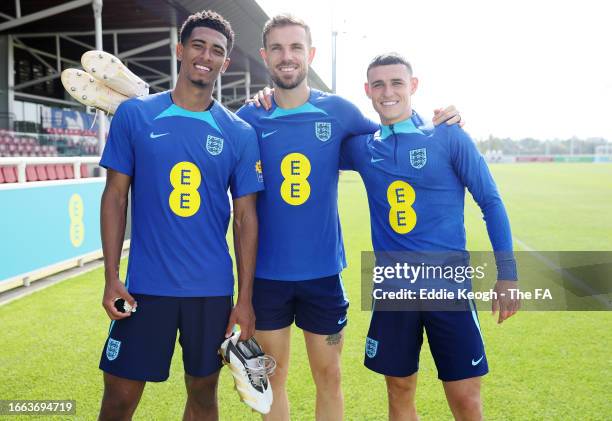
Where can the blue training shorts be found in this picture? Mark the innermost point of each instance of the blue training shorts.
(394, 342)
(317, 305)
(140, 347)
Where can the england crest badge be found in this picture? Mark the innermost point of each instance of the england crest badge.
(214, 145)
(112, 349)
(323, 130)
(371, 347)
(418, 158)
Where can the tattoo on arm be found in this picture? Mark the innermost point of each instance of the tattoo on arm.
(334, 339)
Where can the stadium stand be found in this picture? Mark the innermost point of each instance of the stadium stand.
(10, 174)
(31, 173)
(69, 171)
(59, 170)
(51, 174)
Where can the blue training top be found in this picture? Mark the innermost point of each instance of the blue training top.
(299, 229)
(416, 183)
(181, 163)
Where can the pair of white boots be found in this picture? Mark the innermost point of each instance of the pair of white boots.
(104, 84)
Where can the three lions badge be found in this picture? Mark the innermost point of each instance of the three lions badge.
(112, 349)
(214, 145)
(323, 131)
(418, 158)
(371, 347)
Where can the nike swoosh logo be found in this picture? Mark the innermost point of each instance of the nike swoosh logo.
(155, 136)
(342, 320)
(475, 363)
(376, 160)
(264, 134)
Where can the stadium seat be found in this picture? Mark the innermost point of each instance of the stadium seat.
(84, 171)
(59, 170)
(51, 174)
(68, 170)
(41, 172)
(10, 174)
(31, 173)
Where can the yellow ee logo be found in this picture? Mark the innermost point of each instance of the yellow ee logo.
(77, 227)
(401, 197)
(185, 178)
(295, 169)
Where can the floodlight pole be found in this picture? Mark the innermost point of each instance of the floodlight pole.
(173, 63)
(334, 37)
(97, 8)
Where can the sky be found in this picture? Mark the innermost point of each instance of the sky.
(522, 68)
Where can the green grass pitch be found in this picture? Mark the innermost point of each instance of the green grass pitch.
(544, 365)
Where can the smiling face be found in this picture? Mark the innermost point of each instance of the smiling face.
(287, 55)
(203, 56)
(390, 87)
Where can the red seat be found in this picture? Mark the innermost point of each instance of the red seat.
(1, 176)
(84, 171)
(31, 173)
(59, 170)
(69, 170)
(10, 174)
(41, 172)
(51, 174)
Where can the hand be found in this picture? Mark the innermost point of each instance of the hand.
(505, 304)
(242, 314)
(113, 290)
(262, 98)
(449, 115)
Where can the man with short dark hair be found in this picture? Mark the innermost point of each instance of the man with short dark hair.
(416, 184)
(178, 151)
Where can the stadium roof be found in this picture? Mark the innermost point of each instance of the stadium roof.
(33, 20)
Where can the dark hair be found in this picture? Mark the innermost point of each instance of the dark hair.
(281, 20)
(388, 59)
(208, 19)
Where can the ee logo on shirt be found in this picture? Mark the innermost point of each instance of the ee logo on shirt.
(185, 178)
(295, 169)
(401, 197)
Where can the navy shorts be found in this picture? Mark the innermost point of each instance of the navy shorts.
(140, 347)
(395, 338)
(317, 305)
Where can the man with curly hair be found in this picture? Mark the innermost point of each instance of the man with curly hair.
(178, 151)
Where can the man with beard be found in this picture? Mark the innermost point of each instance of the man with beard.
(179, 151)
(301, 254)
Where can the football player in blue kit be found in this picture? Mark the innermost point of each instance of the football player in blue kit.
(416, 183)
(178, 151)
(301, 253)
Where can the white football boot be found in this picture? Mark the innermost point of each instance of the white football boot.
(250, 368)
(90, 91)
(113, 73)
